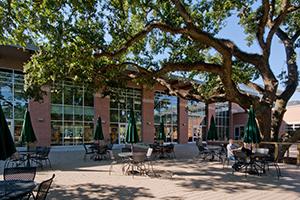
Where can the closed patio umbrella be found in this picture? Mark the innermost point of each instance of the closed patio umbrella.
(7, 145)
(212, 131)
(99, 132)
(252, 134)
(27, 133)
(131, 133)
(161, 133)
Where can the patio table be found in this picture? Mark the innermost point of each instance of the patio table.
(15, 189)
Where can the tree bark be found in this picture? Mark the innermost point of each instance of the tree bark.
(263, 116)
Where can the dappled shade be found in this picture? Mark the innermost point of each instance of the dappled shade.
(7, 146)
(212, 131)
(252, 134)
(98, 135)
(27, 133)
(131, 133)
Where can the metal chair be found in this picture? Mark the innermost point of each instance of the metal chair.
(88, 151)
(169, 150)
(242, 161)
(19, 173)
(43, 189)
(42, 155)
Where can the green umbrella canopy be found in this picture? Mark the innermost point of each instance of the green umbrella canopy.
(161, 133)
(99, 132)
(27, 133)
(131, 133)
(212, 131)
(7, 145)
(252, 134)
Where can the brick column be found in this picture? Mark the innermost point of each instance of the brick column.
(182, 122)
(101, 108)
(148, 129)
(40, 114)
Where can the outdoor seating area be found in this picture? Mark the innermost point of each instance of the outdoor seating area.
(38, 157)
(182, 177)
(19, 183)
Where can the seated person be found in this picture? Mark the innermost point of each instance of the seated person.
(246, 149)
(230, 148)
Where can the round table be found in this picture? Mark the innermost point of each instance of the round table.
(14, 189)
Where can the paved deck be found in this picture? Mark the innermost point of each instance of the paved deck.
(181, 178)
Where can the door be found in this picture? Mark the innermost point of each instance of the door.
(122, 132)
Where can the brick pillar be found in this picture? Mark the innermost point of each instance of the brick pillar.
(182, 122)
(148, 129)
(101, 107)
(40, 114)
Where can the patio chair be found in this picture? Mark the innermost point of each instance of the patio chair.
(101, 153)
(137, 164)
(42, 155)
(19, 173)
(169, 151)
(242, 161)
(88, 151)
(15, 160)
(271, 160)
(203, 152)
(43, 189)
(149, 160)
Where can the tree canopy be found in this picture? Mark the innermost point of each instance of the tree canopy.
(175, 43)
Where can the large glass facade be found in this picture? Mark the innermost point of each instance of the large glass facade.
(121, 101)
(196, 120)
(72, 114)
(222, 120)
(13, 100)
(166, 110)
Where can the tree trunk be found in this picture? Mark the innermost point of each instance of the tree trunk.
(263, 116)
(277, 117)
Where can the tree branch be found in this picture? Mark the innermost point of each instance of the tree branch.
(256, 87)
(186, 67)
(140, 36)
(183, 12)
(274, 25)
(262, 24)
(292, 68)
(295, 36)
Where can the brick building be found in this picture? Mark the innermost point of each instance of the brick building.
(68, 117)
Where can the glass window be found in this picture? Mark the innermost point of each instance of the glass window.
(71, 115)
(121, 100)
(13, 100)
(166, 110)
(222, 120)
(196, 120)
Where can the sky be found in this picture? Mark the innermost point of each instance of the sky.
(235, 33)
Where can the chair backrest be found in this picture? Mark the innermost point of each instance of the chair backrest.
(19, 173)
(240, 156)
(201, 148)
(43, 151)
(149, 152)
(85, 148)
(43, 189)
(138, 157)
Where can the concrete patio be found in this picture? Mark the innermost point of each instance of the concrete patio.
(181, 178)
